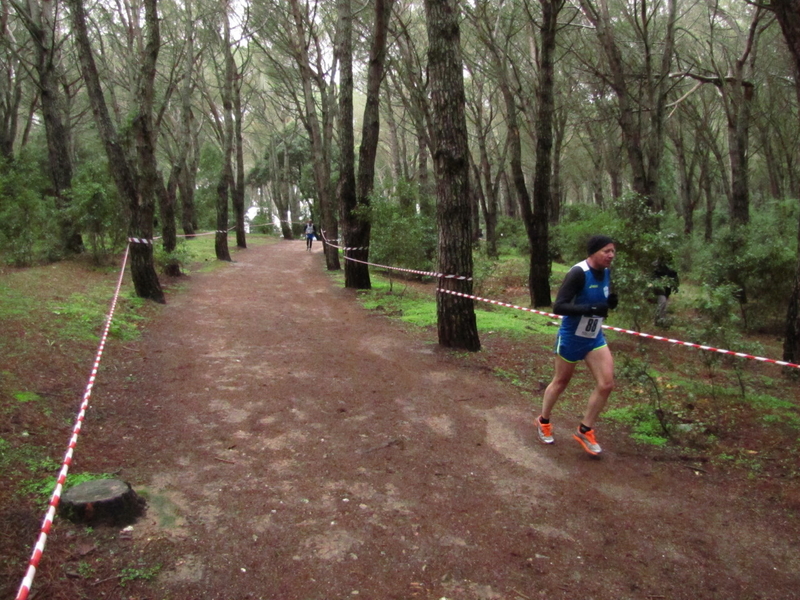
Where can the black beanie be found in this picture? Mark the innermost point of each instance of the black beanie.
(597, 242)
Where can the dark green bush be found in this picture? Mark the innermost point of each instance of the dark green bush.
(401, 237)
(96, 208)
(28, 217)
(511, 236)
(757, 261)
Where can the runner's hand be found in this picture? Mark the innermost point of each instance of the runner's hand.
(598, 310)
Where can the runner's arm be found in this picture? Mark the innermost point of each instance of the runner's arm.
(570, 288)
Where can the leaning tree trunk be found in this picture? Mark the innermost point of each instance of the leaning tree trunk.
(141, 204)
(457, 326)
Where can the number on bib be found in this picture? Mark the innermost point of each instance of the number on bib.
(589, 327)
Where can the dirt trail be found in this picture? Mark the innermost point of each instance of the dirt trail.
(294, 446)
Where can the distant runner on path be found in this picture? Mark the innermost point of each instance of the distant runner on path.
(310, 232)
(584, 300)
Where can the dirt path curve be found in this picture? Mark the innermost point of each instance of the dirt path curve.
(294, 446)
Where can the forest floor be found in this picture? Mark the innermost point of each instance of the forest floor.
(292, 445)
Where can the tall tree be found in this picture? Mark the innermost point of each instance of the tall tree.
(486, 176)
(40, 17)
(189, 157)
(498, 32)
(788, 14)
(11, 83)
(731, 73)
(224, 126)
(356, 223)
(319, 130)
(539, 277)
(457, 326)
(347, 156)
(409, 80)
(136, 182)
(640, 82)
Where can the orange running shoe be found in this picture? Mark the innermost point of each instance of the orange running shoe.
(587, 441)
(545, 431)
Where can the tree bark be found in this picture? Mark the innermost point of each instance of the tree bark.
(347, 160)
(539, 274)
(237, 197)
(225, 183)
(788, 14)
(169, 233)
(102, 502)
(357, 226)
(139, 195)
(457, 326)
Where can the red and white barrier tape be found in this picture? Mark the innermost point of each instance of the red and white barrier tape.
(425, 273)
(659, 338)
(134, 240)
(145, 241)
(38, 549)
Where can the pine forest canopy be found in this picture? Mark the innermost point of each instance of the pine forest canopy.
(127, 119)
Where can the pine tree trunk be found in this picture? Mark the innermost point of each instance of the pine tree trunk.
(135, 189)
(238, 145)
(456, 315)
(347, 162)
(358, 225)
(788, 15)
(539, 277)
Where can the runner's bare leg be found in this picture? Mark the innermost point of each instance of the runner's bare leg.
(601, 365)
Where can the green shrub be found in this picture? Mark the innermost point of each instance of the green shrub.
(96, 208)
(758, 272)
(401, 237)
(28, 230)
(643, 423)
(511, 236)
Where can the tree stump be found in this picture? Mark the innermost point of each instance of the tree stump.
(102, 502)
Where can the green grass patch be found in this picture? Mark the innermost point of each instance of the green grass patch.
(411, 306)
(141, 571)
(13, 303)
(642, 421)
(197, 255)
(26, 397)
(41, 488)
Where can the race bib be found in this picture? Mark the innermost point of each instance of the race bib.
(589, 327)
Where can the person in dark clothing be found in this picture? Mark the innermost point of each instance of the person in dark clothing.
(584, 300)
(665, 281)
